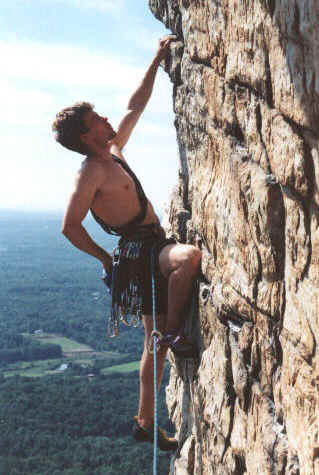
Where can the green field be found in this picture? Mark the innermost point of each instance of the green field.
(66, 344)
(122, 368)
(33, 368)
(39, 368)
(73, 351)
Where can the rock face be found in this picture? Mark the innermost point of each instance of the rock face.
(246, 98)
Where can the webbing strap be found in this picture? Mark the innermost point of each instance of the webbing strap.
(155, 342)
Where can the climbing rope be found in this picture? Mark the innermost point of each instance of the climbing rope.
(155, 336)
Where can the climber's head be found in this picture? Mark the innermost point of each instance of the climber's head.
(69, 125)
(81, 129)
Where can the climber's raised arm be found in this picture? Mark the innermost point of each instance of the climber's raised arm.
(141, 96)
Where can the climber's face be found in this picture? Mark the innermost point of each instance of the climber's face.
(100, 130)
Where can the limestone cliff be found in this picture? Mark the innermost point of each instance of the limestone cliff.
(246, 98)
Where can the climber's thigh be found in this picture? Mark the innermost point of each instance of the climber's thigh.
(148, 325)
(173, 256)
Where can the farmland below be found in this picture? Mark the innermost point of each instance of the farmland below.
(70, 414)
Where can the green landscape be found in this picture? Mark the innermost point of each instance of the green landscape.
(68, 393)
(75, 355)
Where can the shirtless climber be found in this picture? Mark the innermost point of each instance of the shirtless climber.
(107, 186)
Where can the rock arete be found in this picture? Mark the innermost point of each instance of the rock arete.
(246, 99)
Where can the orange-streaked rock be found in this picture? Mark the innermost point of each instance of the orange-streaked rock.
(246, 99)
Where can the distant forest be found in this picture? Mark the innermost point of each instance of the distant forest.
(64, 423)
(72, 426)
(49, 285)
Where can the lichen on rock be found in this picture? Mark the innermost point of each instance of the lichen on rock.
(246, 99)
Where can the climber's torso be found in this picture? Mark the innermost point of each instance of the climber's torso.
(118, 200)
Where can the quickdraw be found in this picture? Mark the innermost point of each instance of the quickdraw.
(114, 321)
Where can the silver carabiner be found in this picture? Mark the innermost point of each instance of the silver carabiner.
(116, 256)
(155, 334)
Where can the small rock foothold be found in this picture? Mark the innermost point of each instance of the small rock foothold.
(271, 180)
(172, 37)
(205, 294)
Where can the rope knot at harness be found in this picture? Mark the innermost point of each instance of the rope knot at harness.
(156, 337)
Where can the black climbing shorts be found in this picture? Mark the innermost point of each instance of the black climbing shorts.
(136, 267)
(161, 283)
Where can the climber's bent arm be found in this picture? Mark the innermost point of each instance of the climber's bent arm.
(79, 204)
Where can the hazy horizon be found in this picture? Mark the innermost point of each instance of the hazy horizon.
(56, 53)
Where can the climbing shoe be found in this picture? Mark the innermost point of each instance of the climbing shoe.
(147, 435)
(180, 345)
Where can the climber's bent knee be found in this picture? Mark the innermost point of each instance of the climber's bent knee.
(174, 256)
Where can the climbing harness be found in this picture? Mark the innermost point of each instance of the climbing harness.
(130, 279)
(155, 337)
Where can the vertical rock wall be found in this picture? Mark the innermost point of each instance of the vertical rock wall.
(246, 98)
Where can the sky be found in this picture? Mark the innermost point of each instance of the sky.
(57, 52)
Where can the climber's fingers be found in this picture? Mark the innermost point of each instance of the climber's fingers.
(163, 46)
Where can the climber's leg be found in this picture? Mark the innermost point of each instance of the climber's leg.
(180, 264)
(146, 403)
(143, 428)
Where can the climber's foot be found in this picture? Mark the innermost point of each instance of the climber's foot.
(147, 435)
(180, 345)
